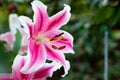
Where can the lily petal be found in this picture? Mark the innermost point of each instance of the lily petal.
(17, 65)
(60, 19)
(62, 40)
(57, 56)
(8, 38)
(27, 23)
(36, 57)
(5, 77)
(23, 49)
(24, 42)
(46, 71)
(14, 24)
(41, 17)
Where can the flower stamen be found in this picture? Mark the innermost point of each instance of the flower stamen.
(61, 36)
(62, 47)
(41, 38)
(54, 47)
(37, 40)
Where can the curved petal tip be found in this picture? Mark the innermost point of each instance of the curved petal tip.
(67, 7)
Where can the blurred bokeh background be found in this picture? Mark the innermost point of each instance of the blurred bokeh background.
(87, 27)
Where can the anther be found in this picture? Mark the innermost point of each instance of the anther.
(37, 41)
(54, 47)
(52, 39)
(64, 39)
(59, 35)
(62, 47)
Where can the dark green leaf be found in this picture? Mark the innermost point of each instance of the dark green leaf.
(17, 43)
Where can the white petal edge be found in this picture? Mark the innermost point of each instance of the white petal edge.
(36, 4)
(14, 23)
(56, 66)
(25, 21)
(17, 61)
(66, 8)
(70, 51)
(25, 69)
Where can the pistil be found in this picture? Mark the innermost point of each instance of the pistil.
(41, 38)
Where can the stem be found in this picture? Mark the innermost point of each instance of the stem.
(106, 53)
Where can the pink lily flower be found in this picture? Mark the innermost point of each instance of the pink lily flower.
(9, 37)
(45, 71)
(46, 41)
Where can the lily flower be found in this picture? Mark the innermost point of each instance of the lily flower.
(9, 37)
(46, 40)
(45, 71)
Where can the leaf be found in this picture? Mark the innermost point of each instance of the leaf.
(17, 43)
(103, 14)
(5, 66)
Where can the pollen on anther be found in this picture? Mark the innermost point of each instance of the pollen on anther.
(54, 47)
(64, 39)
(59, 35)
(62, 47)
(52, 39)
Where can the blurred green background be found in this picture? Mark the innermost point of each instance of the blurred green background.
(87, 27)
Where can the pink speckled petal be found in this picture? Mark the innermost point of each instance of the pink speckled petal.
(8, 38)
(41, 17)
(46, 71)
(57, 56)
(5, 77)
(60, 19)
(36, 57)
(63, 43)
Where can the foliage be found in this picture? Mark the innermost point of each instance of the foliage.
(86, 25)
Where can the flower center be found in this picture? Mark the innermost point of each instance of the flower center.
(40, 38)
(57, 38)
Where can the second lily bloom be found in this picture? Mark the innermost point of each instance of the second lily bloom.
(9, 37)
(45, 71)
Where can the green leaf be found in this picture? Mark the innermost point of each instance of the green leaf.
(103, 14)
(5, 66)
(17, 43)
